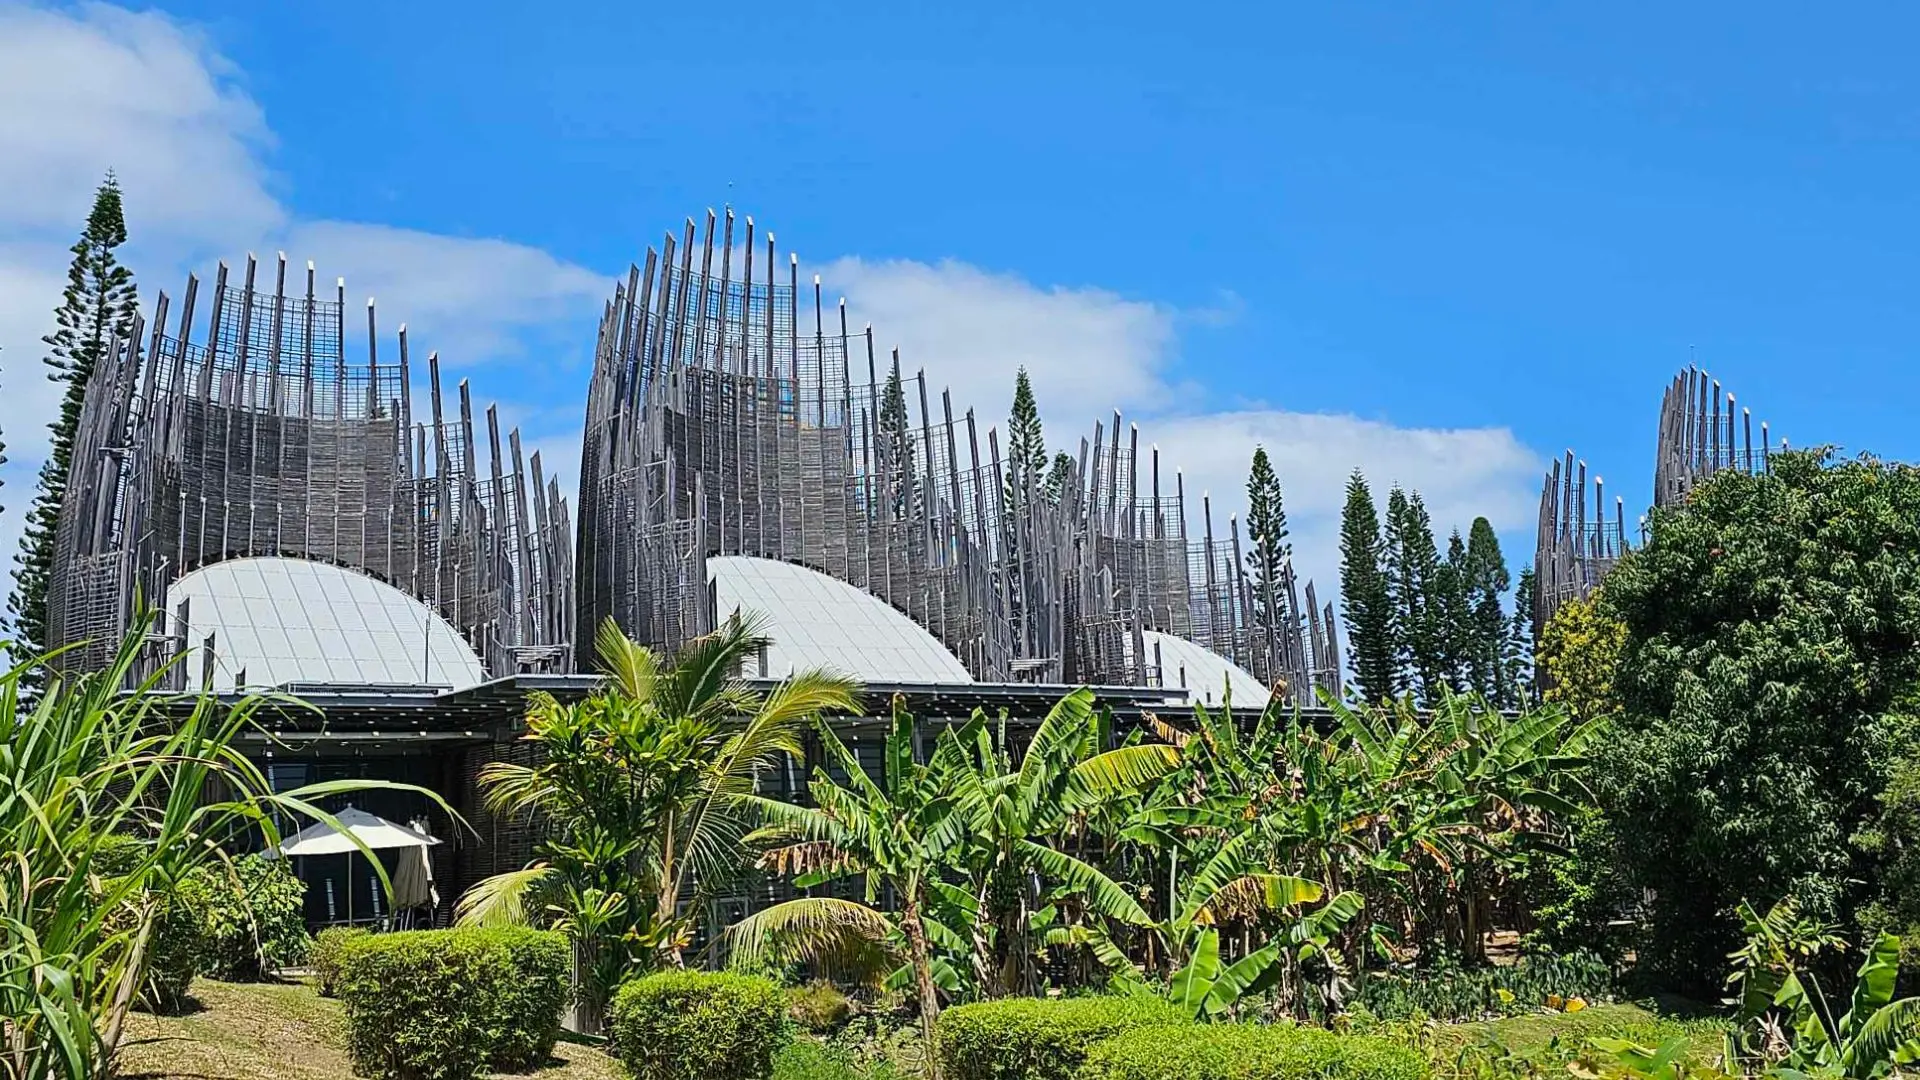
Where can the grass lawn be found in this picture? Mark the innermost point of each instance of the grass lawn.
(278, 1032)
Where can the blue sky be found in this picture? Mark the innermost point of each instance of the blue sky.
(1441, 243)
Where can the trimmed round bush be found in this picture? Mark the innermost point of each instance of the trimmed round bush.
(1038, 1039)
(693, 1025)
(446, 1004)
(1248, 1052)
(329, 952)
(175, 949)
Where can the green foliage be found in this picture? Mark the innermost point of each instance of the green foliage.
(1580, 650)
(1248, 1052)
(1771, 647)
(819, 1007)
(1795, 1031)
(1026, 443)
(1365, 600)
(1035, 1038)
(1484, 581)
(175, 935)
(1268, 547)
(1453, 993)
(639, 787)
(86, 764)
(447, 1004)
(328, 955)
(96, 310)
(689, 1025)
(251, 917)
(1414, 583)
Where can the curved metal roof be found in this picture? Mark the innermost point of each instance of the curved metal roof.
(817, 621)
(277, 621)
(1205, 675)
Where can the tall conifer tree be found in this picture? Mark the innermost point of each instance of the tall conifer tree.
(1364, 601)
(1520, 641)
(1057, 477)
(1267, 541)
(96, 309)
(896, 443)
(1487, 581)
(1453, 612)
(1413, 571)
(1026, 444)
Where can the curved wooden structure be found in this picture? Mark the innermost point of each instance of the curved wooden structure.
(1701, 431)
(270, 436)
(732, 412)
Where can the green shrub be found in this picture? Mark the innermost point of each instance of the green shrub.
(175, 945)
(174, 951)
(1248, 1052)
(805, 1059)
(1454, 993)
(530, 1003)
(444, 1004)
(252, 911)
(329, 953)
(1035, 1039)
(690, 1025)
(819, 1007)
(118, 855)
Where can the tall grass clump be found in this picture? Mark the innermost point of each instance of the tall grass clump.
(93, 759)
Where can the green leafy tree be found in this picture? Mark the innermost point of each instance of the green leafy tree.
(1365, 600)
(1772, 643)
(640, 790)
(96, 309)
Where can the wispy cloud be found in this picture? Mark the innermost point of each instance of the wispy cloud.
(94, 88)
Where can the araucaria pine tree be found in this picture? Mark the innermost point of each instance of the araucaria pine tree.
(896, 444)
(1412, 567)
(1486, 582)
(97, 308)
(1026, 466)
(1364, 601)
(1451, 608)
(1518, 653)
(1269, 548)
(1058, 477)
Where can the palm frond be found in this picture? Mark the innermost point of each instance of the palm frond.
(844, 936)
(628, 665)
(502, 900)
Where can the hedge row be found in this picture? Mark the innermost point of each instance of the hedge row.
(692, 1025)
(1019, 1038)
(447, 1004)
(1248, 1052)
(1139, 1038)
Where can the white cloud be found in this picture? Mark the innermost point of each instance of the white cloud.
(87, 89)
(1090, 351)
(96, 87)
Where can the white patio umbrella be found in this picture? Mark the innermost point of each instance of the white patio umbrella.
(372, 830)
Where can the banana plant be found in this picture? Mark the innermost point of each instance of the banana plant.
(1022, 817)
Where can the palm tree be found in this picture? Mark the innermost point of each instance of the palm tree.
(639, 788)
(1016, 816)
(896, 835)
